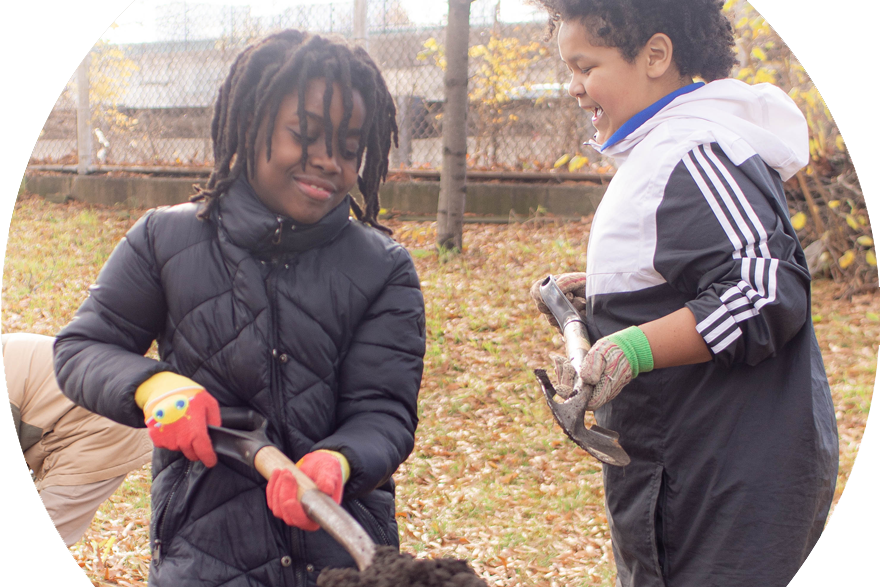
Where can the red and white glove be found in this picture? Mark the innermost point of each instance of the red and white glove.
(328, 469)
(177, 411)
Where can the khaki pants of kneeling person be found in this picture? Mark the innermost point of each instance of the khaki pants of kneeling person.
(72, 507)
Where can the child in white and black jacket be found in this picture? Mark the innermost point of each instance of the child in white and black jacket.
(697, 302)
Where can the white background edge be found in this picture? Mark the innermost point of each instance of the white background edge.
(43, 44)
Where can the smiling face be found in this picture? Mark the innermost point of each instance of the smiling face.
(602, 81)
(307, 194)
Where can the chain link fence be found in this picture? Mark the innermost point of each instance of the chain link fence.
(150, 103)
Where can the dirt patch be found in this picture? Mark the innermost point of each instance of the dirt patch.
(393, 569)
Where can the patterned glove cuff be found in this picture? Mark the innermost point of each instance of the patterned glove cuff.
(161, 385)
(634, 344)
(343, 462)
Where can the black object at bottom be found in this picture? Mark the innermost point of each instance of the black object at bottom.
(242, 435)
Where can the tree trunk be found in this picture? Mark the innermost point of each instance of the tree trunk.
(450, 210)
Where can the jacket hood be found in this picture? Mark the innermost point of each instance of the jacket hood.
(762, 115)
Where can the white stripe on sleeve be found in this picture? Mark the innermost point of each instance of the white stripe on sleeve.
(713, 204)
(745, 228)
(744, 202)
(758, 270)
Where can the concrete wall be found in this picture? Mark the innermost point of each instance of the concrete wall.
(130, 192)
(485, 200)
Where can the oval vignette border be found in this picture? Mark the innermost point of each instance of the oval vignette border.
(45, 41)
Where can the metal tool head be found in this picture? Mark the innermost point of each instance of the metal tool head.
(241, 436)
(569, 414)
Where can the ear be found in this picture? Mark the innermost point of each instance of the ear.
(657, 53)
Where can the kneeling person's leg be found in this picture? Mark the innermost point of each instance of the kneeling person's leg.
(72, 507)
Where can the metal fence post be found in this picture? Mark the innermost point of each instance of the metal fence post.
(83, 119)
(404, 139)
(359, 25)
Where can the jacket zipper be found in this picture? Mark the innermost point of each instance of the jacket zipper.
(274, 377)
(297, 551)
(160, 526)
(376, 523)
(299, 572)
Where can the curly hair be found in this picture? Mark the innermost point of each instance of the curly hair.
(701, 35)
(268, 70)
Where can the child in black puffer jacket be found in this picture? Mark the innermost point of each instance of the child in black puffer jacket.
(264, 293)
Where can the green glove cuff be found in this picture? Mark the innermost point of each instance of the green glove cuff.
(634, 344)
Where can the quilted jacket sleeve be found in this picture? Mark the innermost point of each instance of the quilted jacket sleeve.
(379, 382)
(99, 356)
(724, 239)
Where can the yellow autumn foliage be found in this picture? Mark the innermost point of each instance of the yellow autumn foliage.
(110, 71)
(496, 80)
(577, 162)
(799, 220)
(562, 161)
(765, 58)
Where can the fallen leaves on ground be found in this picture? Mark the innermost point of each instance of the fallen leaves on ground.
(492, 478)
(116, 548)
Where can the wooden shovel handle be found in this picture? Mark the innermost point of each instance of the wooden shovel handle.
(270, 458)
(320, 507)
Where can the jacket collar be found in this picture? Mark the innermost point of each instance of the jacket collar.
(252, 226)
(744, 119)
(642, 117)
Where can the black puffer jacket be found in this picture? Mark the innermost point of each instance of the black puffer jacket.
(320, 328)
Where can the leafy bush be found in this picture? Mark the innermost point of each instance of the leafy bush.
(827, 204)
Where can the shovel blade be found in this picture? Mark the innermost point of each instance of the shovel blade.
(569, 414)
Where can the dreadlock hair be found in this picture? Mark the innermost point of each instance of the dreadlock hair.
(268, 70)
(701, 35)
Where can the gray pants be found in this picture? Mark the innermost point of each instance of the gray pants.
(72, 507)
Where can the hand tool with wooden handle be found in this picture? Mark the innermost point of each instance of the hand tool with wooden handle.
(243, 437)
(570, 412)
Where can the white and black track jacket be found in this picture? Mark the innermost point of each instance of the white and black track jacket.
(734, 461)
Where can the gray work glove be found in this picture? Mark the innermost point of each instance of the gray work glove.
(609, 366)
(604, 372)
(612, 363)
(573, 285)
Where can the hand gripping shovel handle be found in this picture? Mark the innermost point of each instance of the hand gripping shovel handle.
(574, 331)
(569, 413)
(243, 438)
